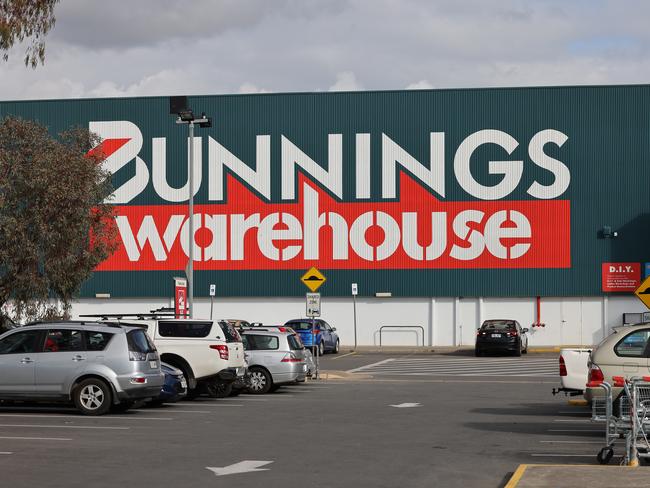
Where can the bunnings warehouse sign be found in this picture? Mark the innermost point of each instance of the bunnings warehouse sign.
(314, 220)
(427, 193)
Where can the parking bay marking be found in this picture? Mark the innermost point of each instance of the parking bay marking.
(79, 417)
(27, 426)
(36, 438)
(6, 452)
(406, 405)
(241, 467)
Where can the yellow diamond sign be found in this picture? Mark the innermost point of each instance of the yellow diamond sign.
(643, 292)
(313, 279)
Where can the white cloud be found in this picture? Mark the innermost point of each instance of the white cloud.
(420, 85)
(250, 88)
(346, 81)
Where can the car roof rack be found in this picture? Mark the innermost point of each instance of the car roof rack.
(72, 322)
(139, 316)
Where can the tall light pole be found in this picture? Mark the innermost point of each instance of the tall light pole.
(179, 107)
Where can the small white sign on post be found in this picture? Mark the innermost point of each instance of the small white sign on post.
(355, 290)
(313, 304)
(213, 290)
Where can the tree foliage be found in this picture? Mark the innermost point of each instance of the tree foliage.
(22, 20)
(55, 224)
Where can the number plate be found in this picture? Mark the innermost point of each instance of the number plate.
(496, 335)
(153, 364)
(183, 383)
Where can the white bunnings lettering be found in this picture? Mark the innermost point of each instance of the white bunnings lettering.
(329, 174)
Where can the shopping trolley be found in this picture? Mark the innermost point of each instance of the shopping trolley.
(629, 422)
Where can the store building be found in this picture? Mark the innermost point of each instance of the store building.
(446, 207)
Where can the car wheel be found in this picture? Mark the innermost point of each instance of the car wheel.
(321, 348)
(477, 352)
(518, 351)
(337, 347)
(220, 389)
(92, 397)
(260, 381)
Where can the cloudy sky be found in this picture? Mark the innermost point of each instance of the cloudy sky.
(102, 48)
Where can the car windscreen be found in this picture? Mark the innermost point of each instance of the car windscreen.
(498, 325)
(139, 341)
(230, 332)
(295, 344)
(299, 326)
(184, 329)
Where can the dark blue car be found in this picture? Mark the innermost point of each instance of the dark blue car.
(325, 338)
(175, 387)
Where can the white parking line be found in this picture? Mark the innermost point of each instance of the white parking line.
(573, 420)
(574, 430)
(343, 355)
(242, 399)
(37, 426)
(575, 412)
(363, 368)
(36, 438)
(6, 452)
(192, 411)
(80, 417)
(212, 404)
(571, 442)
(564, 455)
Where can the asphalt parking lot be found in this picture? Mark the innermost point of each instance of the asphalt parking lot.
(367, 430)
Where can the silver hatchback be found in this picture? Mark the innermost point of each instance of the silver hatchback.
(274, 357)
(92, 364)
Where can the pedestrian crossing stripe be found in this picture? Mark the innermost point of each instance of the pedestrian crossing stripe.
(467, 366)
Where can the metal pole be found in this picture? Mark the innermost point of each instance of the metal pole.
(190, 274)
(211, 306)
(313, 342)
(354, 301)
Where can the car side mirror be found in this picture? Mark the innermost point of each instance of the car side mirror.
(333, 329)
(524, 330)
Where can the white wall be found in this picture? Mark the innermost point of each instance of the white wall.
(446, 321)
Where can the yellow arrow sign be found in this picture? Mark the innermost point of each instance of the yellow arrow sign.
(643, 292)
(313, 279)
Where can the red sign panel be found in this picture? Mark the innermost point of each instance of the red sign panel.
(417, 232)
(180, 298)
(621, 277)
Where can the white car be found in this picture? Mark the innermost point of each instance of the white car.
(206, 351)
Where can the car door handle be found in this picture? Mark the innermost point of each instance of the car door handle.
(78, 358)
(26, 360)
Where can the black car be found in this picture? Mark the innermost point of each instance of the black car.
(501, 335)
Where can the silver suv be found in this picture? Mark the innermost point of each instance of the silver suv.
(95, 365)
(275, 356)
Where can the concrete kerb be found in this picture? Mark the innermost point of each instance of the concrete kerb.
(342, 375)
(569, 475)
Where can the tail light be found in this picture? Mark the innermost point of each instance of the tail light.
(138, 380)
(223, 350)
(282, 329)
(513, 333)
(595, 376)
(291, 358)
(316, 331)
(562, 367)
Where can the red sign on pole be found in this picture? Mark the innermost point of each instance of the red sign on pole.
(621, 277)
(180, 298)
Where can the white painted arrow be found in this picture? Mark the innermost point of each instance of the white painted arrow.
(406, 405)
(241, 467)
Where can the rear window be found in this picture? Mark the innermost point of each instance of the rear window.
(298, 326)
(97, 341)
(499, 325)
(184, 329)
(254, 342)
(295, 344)
(139, 341)
(230, 332)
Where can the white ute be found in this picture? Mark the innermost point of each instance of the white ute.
(573, 371)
